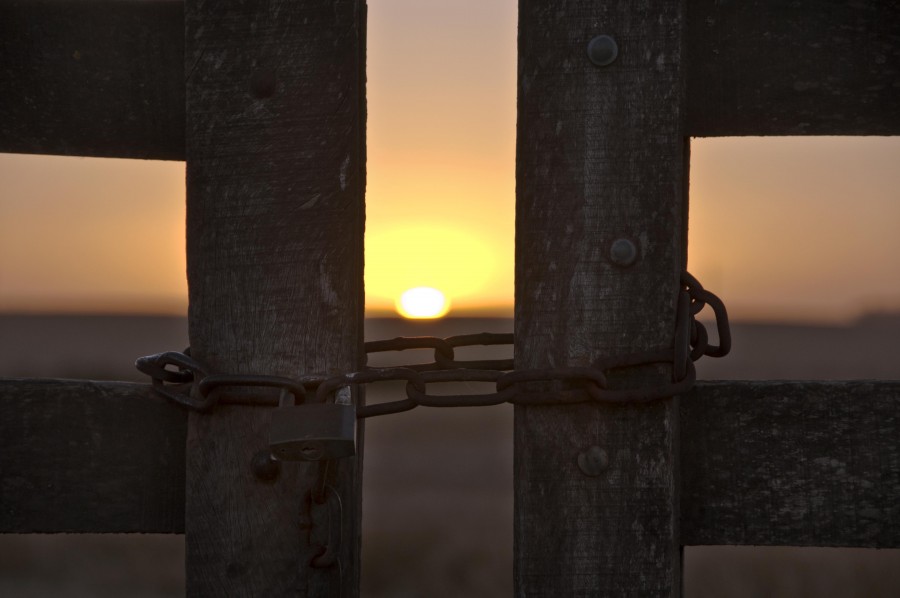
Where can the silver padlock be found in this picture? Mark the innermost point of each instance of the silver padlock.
(312, 431)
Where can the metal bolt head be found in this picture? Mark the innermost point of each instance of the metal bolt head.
(602, 50)
(623, 252)
(593, 461)
(265, 467)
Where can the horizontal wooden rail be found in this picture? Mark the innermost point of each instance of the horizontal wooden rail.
(81, 456)
(106, 77)
(92, 78)
(791, 464)
(766, 463)
(805, 67)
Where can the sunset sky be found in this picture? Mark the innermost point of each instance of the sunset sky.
(804, 228)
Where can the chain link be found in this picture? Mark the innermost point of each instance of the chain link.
(190, 384)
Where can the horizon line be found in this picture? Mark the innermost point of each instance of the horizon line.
(761, 317)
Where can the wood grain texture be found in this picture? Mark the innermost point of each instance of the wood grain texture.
(92, 78)
(763, 463)
(105, 77)
(600, 156)
(791, 464)
(801, 67)
(82, 456)
(275, 133)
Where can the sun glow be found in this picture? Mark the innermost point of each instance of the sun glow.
(439, 256)
(422, 303)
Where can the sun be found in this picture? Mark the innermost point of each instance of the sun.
(458, 261)
(422, 303)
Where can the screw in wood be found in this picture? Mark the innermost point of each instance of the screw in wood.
(623, 252)
(593, 461)
(265, 467)
(602, 50)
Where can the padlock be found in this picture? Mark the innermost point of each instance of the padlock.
(312, 431)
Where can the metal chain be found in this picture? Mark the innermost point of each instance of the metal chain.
(183, 379)
(190, 384)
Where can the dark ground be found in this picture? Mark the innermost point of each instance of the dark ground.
(437, 517)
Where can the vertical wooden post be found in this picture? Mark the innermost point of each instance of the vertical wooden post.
(275, 183)
(601, 156)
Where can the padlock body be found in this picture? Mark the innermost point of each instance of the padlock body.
(313, 432)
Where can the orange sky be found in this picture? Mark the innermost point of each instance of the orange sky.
(780, 227)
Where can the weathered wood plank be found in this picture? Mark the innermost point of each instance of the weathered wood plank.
(600, 157)
(791, 463)
(764, 463)
(275, 163)
(82, 456)
(105, 77)
(804, 67)
(92, 78)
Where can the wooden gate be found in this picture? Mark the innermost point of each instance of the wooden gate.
(265, 103)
